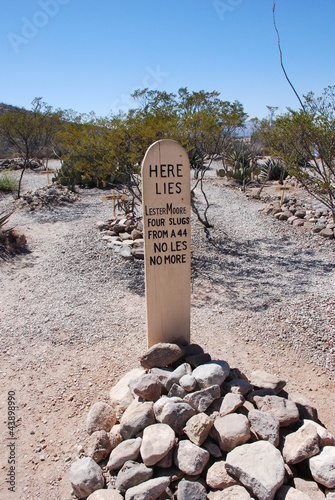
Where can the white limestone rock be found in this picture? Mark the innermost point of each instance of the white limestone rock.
(105, 495)
(259, 467)
(197, 428)
(188, 490)
(265, 425)
(201, 400)
(120, 395)
(131, 474)
(177, 374)
(190, 458)
(285, 410)
(99, 446)
(238, 386)
(125, 251)
(101, 417)
(136, 417)
(157, 441)
(235, 492)
(300, 445)
(149, 490)
(188, 383)
(86, 476)
(263, 379)
(127, 450)
(213, 373)
(231, 430)
(288, 493)
(325, 437)
(230, 403)
(322, 467)
(218, 477)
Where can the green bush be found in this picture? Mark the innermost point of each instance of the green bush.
(70, 175)
(9, 183)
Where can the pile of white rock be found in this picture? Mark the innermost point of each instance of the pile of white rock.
(17, 163)
(314, 220)
(45, 197)
(124, 235)
(186, 427)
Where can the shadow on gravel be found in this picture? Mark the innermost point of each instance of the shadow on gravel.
(13, 256)
(133, 277)
(245, 275)
(256, 274)
(65, 213)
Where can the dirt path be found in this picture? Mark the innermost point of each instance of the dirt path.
(73, 321)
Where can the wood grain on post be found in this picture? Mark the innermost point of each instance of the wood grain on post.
(166, 195)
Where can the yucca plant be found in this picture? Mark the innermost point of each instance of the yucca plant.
(273, 170)
(3, 219)
(243, 163)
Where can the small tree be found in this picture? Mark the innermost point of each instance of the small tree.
(206, 127)
(305, 141)
(29, 133)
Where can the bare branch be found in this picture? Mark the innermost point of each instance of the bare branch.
(281, 56)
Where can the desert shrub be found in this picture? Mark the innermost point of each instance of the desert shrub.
(29, 133)
(10, 241)
(8, 182)
(69, 175)
(305, 141)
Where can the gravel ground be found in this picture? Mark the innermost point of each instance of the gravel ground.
(276, 281)
(73, 317)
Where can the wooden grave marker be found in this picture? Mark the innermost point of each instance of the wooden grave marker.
(284, 188)
(114, 197)
(47, 171)
(166, 193)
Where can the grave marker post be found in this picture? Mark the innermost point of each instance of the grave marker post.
(114, 197)
(284, 188)
(166, 193)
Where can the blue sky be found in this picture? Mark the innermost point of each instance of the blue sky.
(92, 54)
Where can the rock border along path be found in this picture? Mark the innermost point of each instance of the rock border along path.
(73, 317)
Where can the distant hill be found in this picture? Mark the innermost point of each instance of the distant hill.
(5, 152)
(6, 108)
